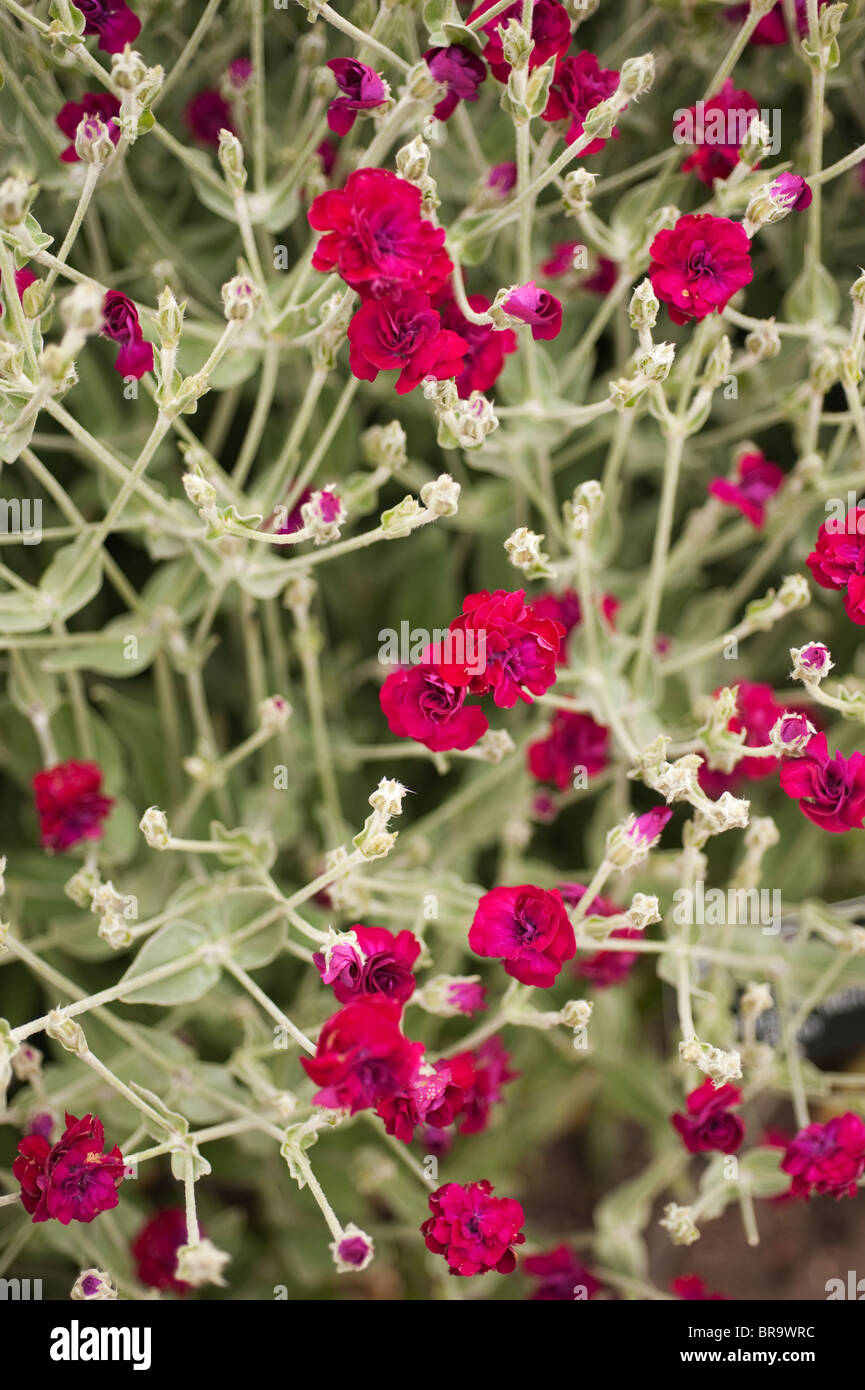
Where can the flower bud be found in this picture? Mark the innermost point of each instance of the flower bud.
(154, 827)
(353, 1251)
(16, 195)
(412, 161)
(240, 297)
(93, 1286)
(93, 143)
(169, 318)
(811, 663)
(578, 188)
(200, 492)
(230, 156)
(81, 309)
(274, 713)
(384, 446)
(679, 1222)
(790, 734)
(441, 496)
(643, 308)
(637, 75)
(323, 515)
(201, 1264)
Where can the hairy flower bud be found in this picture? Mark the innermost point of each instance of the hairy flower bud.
(240, 297)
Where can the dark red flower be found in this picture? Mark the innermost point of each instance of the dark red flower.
(384, 973)
(536, 306)
(692, 1289)
(102, 105)
(206, 115)
(710, 1125)
(827, 1158)
(758, 480)
(526, 927)
(120, 324)
(520, 648)
(376, 238)
(402, 331)
(24, 278)
(480, 1075)
(772, 28)
(830, 791)
(561, 1275)
(70, 804)
(574, 742)
(422, 704)
(729, 112)
(551, 34)
(838, 560)
(758, 712)
(486, 347)
(579, 84)
(432, 1098)
(602, 279)
(155, 1250)
(362, 90)
(362, 1057)
(112, 20)
(460, 70)
(699, 265)
(72, 1180)
(474, 1231)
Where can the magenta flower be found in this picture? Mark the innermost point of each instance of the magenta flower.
(838, 561)
(537, 307)
(24, 278)
(646, 830)
(420, 703)
(480, 1076)
(693, 1289)
(486, 346)
(101, 105)
(72, 1180)
(526, 927)
(699, 265)
(561, 1276)
(521, 648)
(431, 1098)
(362, 90)
(830, 791)
(70, 804)
(710, 1125)
(467, 996)
(383, 974)
(574, 742)
(155, 1250)
(731, 110)
(362, 1057)
(403, 332)
(376, 238)
(239, 73)
(827, 1158)
(120, 324)
(772, 28)
(551, 34)
(792, 191)
(579, 84)
(206, 115)
(112, 20)
(758, 479)
(474, 1231)
(502, 178)
(458, 69)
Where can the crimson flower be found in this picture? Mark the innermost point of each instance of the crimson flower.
(402, 331)
(206, 115)
(758, 712)
(693, 1289)
(155, 1250)
(422, 704)
(486, 347)
(458, 69)
(362, 1057)
(574, 741)
(120, 324)
(526, 927)
(432, 1098)
(772, 28)
(70, 804)
(520, 648)
(72, 1180)
(376, 238)
(757, 480)
(383, 974)
(480, 1075)
(362, 90)
(551, 34)
(102, 105)
(827, 1158)
(474, 1231)
(699, 264)
(579, 84)
(838, 560)
(112, 20)
(793, 191)
(561, 1276)
(830, 791)
(537, 307)
(710, 1125)
(714, 159)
